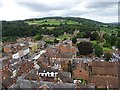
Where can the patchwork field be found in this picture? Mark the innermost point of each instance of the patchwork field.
(51, 22)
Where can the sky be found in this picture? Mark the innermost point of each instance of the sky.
(98, 10)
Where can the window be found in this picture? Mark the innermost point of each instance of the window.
(45, 74)
(48, 74)
(4, 77)
(42, 74)
(52, 74)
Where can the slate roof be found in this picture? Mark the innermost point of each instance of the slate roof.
(7, 82)
(48, 69)
(5, 63)
(33, 84)
(7, 72)
(56, 62)
(65, 77)
(32, 75)
(25, 67)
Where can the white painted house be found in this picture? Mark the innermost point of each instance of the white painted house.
(15, 56)
(47, 72)
(26, 51)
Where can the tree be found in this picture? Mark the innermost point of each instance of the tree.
(98, 50)
(9, 39)
(113, 40)
(70, 67)
(38, 36)
(80, 35)
(95, 36)
(85, 48)
(88, 35)
(64, 39)
(118, 43)
(1, 50)
(56, 41)
(118, 34)
(74, 40)
(107, 56)
(107, 37)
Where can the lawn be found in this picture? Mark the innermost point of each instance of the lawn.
(106, 49)
(50, 28)
(62, 37)
(109, 30)
(49, 41)
(51, 22)
(47, 21)
(72, 22)
(94, 42)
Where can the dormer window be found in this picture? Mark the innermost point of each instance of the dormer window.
(43, 70)
(4, 77)
(13, 69)
(27, 71)
(52, 74)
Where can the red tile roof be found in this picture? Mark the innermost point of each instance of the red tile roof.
(80, 73)
(103, 81)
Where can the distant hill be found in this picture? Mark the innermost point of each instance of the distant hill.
(49, 26)
(62, 20)
(114, 23)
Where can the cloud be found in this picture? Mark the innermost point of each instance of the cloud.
(24, 9)
(111, 11)
(104, 8)
(39, 7)
(45, 5)
(100, 5)
(1, 3)
(68, 8)
(11, 11)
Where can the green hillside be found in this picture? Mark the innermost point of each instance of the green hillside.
(51, 22)
(62, 20)
(53, 26)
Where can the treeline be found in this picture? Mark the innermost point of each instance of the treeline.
(21, 29)
(9, 39)
(18, 28)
